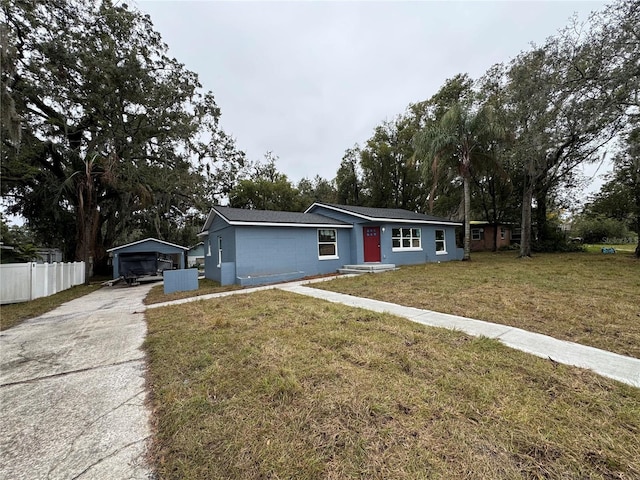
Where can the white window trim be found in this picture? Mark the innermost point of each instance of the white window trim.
(473, 234)
(444, 240)
(406, 249)
(318, 243)
(219, 252)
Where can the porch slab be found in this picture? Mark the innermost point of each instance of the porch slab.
(368, 268)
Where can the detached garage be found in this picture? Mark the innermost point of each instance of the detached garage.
(147, 257)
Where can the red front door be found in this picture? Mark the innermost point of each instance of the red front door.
(371, 244)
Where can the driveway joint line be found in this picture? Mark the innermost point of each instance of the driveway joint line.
(71, 372)
(115, 452)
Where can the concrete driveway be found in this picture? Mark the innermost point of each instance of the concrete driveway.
(72, 393)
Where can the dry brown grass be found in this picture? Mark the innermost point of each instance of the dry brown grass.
(592, 299)
(205, 286)
(274, 385)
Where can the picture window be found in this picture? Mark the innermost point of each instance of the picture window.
(406, 239)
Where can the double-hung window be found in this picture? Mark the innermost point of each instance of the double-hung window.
(477, 234)
(327, 243)
(441, 244)
(403, 239)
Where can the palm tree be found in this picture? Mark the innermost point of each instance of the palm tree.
(463, 139)
(27, 252)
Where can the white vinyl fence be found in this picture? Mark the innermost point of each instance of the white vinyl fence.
(21, 282)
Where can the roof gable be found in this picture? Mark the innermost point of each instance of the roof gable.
(150, 240)
(271, 218)
(372, 214)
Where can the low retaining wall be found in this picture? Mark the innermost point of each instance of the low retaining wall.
(180, 280)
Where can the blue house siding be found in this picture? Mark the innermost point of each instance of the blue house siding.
(428, 253)
(284, 253)
(269, 254)
(429, 244)
(183, 280)
(226, 270)
(261, 247)
(403, 257)
(356, 244)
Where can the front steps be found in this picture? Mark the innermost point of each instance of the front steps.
(368, 268)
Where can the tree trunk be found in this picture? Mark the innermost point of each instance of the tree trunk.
(87, 221)
(492, 192)
(541, 216)
(525, 227)
(434, 184)
(86, 224)
(467, 217)
(638, 228)
(637, 201)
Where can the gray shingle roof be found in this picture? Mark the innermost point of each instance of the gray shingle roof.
(242, 215)
(387, 213)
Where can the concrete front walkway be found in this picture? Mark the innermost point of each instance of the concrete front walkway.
(72, 391)
(611, 365)
(618, 367)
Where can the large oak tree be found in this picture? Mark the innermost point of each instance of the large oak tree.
(102, 127)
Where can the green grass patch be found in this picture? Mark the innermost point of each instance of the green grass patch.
(15, 313)
(275, 385)
(588, 298)
(205, 286)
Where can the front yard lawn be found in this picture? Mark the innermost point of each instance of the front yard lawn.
(275, 385)
(205, 286)
(588, 298)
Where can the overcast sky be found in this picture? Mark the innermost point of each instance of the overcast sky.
(307, 80)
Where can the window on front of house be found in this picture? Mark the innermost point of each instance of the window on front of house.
(406, 239)
(503, 232)
(327, 243)
(477, 234)
(441, 245)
